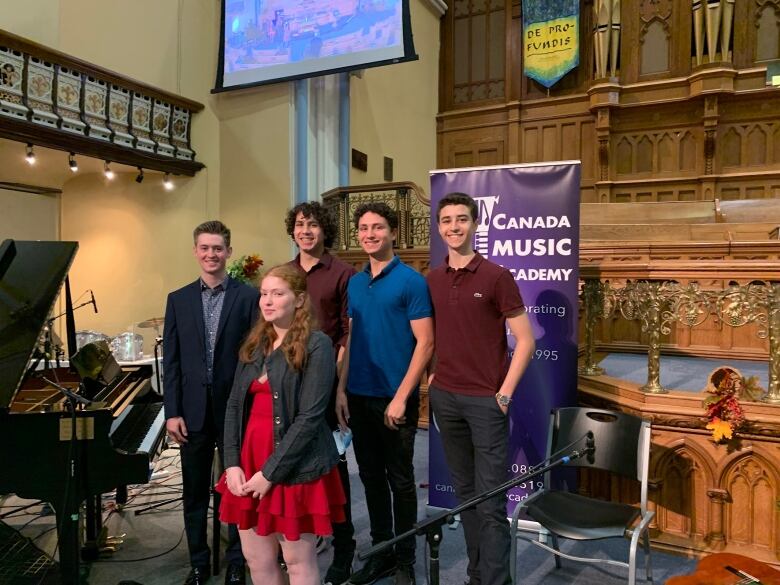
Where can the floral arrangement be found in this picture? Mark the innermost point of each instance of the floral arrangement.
(245, 268)
(722, 406)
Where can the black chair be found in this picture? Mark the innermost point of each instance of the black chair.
(622, 446)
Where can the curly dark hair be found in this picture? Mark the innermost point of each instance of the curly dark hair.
(320, 213)
(379, 208)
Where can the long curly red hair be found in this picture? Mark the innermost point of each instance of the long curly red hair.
(263, 335)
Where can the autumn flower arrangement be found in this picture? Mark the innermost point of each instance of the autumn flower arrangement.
(245, 268)
(722, 406)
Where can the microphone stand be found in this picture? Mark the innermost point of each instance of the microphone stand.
(68, 516)
(431, 527)
(73, 398)
(157, 342)
(49, 345)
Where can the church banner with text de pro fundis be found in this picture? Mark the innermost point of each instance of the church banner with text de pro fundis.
(529, 223)
(551, 39)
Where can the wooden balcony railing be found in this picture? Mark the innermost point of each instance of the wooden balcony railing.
(50, 99)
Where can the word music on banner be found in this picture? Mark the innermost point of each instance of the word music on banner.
(551, 39)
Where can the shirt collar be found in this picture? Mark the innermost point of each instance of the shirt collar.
(221, 286)
(325, 261)
(471, 266)
(392, 264)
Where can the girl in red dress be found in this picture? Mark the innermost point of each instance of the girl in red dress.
(281, 486)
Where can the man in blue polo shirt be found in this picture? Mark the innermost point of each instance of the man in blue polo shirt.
(391, 341)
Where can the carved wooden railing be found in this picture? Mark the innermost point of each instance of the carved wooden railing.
(50, 99)
(736, 285)
(405, 197)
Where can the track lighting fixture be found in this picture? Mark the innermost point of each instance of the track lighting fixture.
(140, 177)
(74, 166)
(30, 158)
(107, 171)
(168, 182)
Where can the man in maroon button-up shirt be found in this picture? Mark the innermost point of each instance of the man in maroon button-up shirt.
(313, 230)
(474, 300)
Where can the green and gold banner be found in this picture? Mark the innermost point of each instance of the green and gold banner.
(551, 39)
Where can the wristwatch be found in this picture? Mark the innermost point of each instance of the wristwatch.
(503, 399)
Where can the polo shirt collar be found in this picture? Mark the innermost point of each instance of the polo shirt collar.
(392, 264)
(471, 266)
(326, 260)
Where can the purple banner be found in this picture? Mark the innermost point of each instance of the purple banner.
(528, 223)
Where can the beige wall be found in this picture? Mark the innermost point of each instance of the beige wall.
(37, 20)
(29, 216)
(393, 109)
(135, 244)
(135, 240)
(255, 169)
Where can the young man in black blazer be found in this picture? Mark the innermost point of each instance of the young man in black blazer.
(205, 323)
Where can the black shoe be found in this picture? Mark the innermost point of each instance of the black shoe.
(235, 575)
(375, 568)
(339, 571)
(198, 576)
(405, 575)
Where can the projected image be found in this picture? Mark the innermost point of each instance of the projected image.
(263, 33)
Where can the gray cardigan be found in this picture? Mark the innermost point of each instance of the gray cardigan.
(304, 448)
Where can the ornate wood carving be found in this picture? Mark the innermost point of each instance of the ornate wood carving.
(707, 497)
(406, 198)
(685, 125)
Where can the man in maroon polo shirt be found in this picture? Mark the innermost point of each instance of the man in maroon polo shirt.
(470, 391)
(313, 230)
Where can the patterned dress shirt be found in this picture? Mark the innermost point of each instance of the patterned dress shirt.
(212, 300)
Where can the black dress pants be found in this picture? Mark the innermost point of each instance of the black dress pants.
(197, 456)
(385, 464)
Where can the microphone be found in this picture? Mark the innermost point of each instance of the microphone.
(94, 304)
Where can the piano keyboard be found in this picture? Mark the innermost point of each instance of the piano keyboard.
(139, 428)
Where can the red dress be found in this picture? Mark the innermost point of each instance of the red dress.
(291, 510)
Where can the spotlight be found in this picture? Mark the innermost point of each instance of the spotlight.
(74, 166)
(107, 171)
(30, 158)
(168, 182)
(140, 177)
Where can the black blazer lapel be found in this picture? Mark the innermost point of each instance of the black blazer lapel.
(196, 304)
(231, 292)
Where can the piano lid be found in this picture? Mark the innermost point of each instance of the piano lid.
(31, 275)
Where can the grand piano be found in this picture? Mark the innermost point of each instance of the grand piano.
(63, 439)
